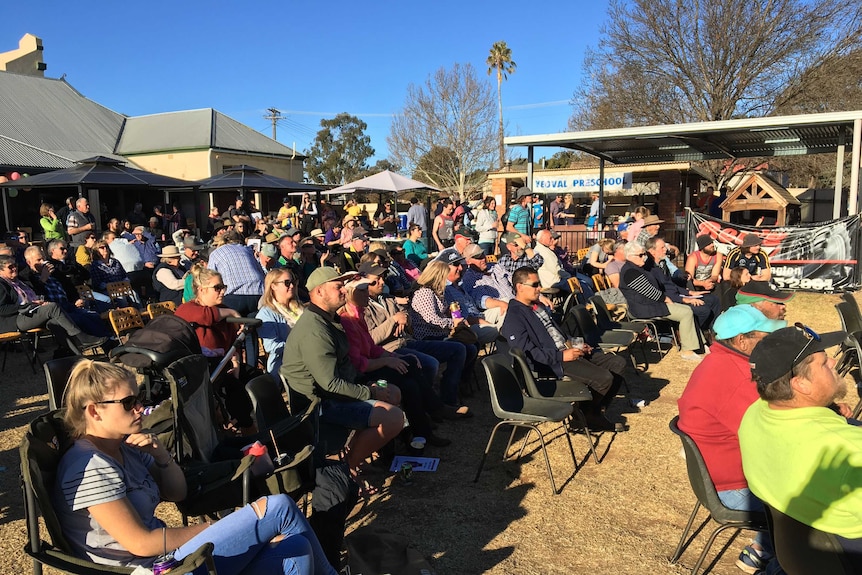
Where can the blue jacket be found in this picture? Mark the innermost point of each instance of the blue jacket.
(273, 333)
(522, 328)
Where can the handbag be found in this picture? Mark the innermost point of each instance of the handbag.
(462, 333)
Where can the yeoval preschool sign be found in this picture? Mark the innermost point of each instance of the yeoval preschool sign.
(813, 257)
(581, 183)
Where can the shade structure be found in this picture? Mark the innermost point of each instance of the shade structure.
(246, 178)
(100, 171)
(385, 181)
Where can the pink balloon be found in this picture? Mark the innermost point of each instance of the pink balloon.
(14, 176)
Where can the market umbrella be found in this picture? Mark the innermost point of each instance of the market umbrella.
(247, 178)
(385, 181)
(99, 171)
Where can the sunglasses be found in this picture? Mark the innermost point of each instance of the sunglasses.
(640, 255)
(808, 333)
(217, 287)
(287, 283)
(129, 402)
(532, 285)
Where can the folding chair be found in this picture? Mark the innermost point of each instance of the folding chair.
(603, 317)
(23, 339)
(801, 548)
(600, 282)
(125, 320)
(571, 392)
(122, 292)
(161, 308)
(44, 443)
(704, 490)
(517, 410)
(57, 373)
(851, 351)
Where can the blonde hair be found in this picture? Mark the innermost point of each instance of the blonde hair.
(434, 277)
(268, 300)
(201, 277)
(89, 382)
(376, 246)
(97, 255)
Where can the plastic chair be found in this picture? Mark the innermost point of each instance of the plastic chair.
(57, 373)
(125, 320)
(580, 322)
(704, 490)
(517, 410)
(603, 319)
(572, 392)
(801, 548)
(41, 449)
(121, 291)
(161, 308)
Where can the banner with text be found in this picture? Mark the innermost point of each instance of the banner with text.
(581, 183)
(814, 257)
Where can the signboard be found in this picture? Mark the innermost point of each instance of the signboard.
(812, 257)
(581, 183)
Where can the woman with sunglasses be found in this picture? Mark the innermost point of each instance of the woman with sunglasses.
(52, 226)
(111, 479)
(216, 336)
(107, 269)
(86, 252)
(279, 310)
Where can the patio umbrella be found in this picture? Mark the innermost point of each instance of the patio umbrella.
(99, 171)
(385, 181)
(246, 178)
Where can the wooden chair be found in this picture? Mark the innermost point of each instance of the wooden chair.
(121, 291)
(582, 253)
(600, 282)
(125, 320)
(24, 340)
(161, 308)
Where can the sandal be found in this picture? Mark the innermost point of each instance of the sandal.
(366, 489)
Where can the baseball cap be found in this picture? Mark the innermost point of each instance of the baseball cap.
(556, 235)
(524, 191)
(291, 232)
(750, 241)
(465, 235)
(450, 256)
(359, 234)
(191, 243)
(743, 319)
(755, 291)
(473, 251)
(324, 275)
(703, 241)
(285, 200)
(369, 268)
(509, 237)
(778, 353)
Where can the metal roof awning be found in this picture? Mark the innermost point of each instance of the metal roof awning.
(743, 138)
(804, 134)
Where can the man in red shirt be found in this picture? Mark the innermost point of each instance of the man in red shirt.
(712, 406)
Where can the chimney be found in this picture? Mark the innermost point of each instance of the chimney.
(27, 59)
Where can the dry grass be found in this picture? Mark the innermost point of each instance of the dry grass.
(622, 516)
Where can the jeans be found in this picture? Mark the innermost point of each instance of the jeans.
(488, 247)
(454, 355)
(744, 500)
(413, 393)
(242, 542)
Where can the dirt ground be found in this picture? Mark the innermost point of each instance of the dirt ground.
(622, 516)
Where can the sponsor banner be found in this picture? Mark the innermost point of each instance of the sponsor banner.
(813, 257)
(581, 183)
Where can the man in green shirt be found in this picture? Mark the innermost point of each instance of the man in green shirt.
(799, 454)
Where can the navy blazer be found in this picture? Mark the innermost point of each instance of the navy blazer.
(522, 328)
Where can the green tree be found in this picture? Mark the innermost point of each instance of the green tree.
(380, 166)
(452, 111)
(340, 151)
(500, 60)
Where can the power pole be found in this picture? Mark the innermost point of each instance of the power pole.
(274, 117)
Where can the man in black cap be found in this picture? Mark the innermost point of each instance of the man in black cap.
(750, 256)
(521, 215)
(703, 265)
(191, 252)
(799, 454)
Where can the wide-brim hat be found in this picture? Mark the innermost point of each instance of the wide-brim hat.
(652, 220)
(523, 191)
(170, 252)
(750, 241)
(191, 243)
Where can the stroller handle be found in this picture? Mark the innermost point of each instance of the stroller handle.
(247, 321)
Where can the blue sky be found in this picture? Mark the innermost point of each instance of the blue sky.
(308, 58)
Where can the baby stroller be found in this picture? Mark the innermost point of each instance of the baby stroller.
(184, 415)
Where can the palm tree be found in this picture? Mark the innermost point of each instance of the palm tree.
(500, 59)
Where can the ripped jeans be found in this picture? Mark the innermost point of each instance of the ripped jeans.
(243, 547)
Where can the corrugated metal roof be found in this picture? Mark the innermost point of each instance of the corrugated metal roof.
(52, 117)
(14, 153)
(743, 138)
(195, 130)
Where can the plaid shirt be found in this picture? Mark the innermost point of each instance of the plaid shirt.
(511, 265)
(239, 269)
(495, 283)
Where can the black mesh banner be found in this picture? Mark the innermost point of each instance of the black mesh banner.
(813, 257)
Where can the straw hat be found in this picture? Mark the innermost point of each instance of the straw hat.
(169, 252)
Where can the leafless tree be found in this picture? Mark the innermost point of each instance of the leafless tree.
(668, 61)
(454, 111)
